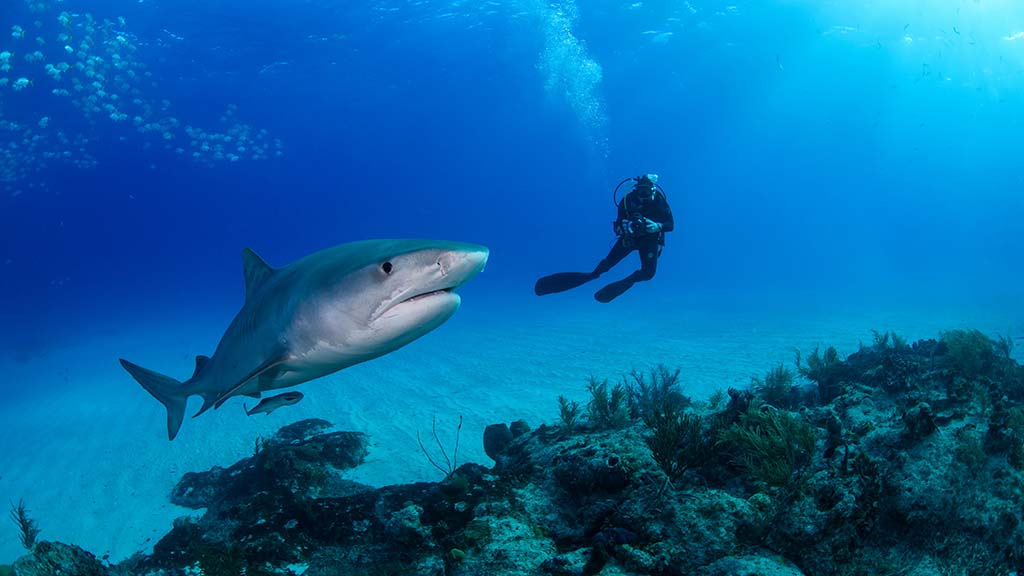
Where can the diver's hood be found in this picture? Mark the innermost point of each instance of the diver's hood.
(648, 180)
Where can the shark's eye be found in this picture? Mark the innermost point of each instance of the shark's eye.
(386, 267)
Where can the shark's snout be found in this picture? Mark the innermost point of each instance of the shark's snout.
(433, 285)
(462, 265)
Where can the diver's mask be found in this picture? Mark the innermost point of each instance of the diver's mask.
(646, 183)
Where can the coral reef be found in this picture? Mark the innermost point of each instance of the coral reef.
(899, 459)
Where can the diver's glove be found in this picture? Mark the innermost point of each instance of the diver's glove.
(651, 227)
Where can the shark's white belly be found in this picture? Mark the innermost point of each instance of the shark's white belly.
(315, 362)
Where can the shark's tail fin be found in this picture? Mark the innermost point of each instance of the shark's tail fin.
(165, 389)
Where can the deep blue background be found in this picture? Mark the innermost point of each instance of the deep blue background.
(802, 161)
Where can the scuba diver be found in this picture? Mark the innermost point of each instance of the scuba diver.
(643, 219)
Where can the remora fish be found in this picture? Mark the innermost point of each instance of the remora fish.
(272, 403)
(328, 311)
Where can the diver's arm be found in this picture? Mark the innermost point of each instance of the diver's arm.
(668, 223)
(661, 213)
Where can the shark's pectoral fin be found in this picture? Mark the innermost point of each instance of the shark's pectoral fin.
(255, 395)
(208, 400)
(265, 366)
(268, 376)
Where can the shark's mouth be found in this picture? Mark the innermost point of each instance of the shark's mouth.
(392, 308)
(430, 294)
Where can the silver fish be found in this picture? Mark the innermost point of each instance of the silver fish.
(271, 403)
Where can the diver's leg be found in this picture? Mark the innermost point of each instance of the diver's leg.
(615, 255)
(563, 281)
(649, 252)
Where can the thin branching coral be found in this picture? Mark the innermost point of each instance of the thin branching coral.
(656, 393)
(27, 528)
(608, 408)
(568, 411)
(776, 388)
(971, 352)
(769, 444)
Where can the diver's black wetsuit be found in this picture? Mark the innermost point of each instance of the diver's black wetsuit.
(630, 229)
(636, 206)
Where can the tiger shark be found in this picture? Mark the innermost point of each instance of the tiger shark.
(325, 312)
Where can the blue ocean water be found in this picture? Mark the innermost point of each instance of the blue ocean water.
(847, 152)
(819, 157)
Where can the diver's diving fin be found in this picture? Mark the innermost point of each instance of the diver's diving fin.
(561, 282)
(614, 290)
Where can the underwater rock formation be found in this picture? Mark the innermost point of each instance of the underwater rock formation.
(50, 558)
(900, 459)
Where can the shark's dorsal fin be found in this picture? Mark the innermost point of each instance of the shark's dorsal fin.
(256, 271)
(201, 362)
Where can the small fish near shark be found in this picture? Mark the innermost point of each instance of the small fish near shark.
(325, 312)
(268, 405)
